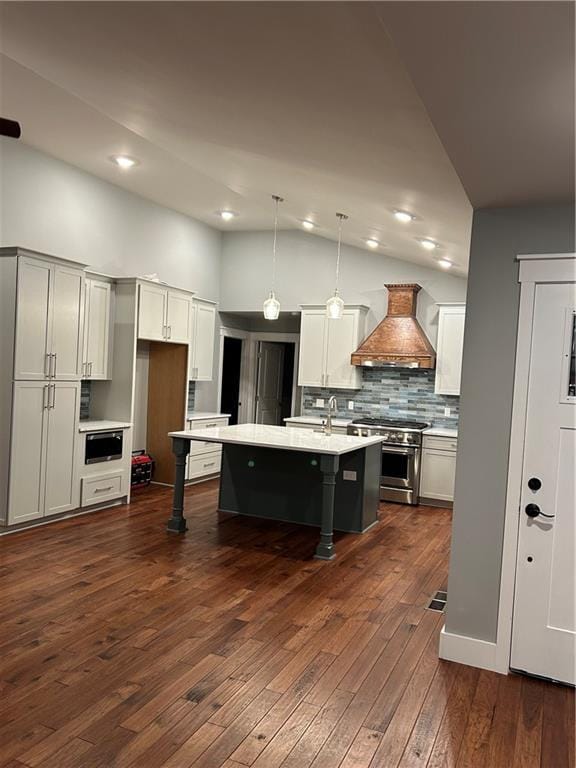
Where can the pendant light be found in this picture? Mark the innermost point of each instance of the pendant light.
(335, 305)
(272, 305)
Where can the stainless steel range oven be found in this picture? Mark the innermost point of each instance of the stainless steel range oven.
(401, 450)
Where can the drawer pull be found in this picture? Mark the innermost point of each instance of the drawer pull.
(101, 490)
(210, 464)
(210, 425)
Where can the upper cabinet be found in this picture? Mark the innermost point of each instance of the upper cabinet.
(48, 320)
(326, 346)
(164, 314)
(97, 329)
(449, 350)
(201, 357)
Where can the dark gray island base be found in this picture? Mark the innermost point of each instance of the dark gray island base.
(333, 492)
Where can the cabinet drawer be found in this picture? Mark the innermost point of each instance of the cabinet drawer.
(440, 443)
(197, 447)
(102, 488)
(208, 464)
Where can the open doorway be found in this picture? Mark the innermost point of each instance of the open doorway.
(231, 366)
(274, 382)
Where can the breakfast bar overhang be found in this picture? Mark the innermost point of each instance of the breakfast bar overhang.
(290, 475)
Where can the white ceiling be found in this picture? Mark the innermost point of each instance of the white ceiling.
(225, 104)
(497, 79)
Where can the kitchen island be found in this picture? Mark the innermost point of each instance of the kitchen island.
(290, 475)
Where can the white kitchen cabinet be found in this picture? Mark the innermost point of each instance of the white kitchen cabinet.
(97, 321)
(44, 430)
(438, 470)
(205, 458)
(451, 319)
(164, 314)
(48, 314)
(326, 346)
(201, 357)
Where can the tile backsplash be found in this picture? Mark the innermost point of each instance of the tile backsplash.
(191, 395)
(85, 391)
(402, 394)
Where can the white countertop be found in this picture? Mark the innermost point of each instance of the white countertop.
(317, 420)
(284, 438)
(97, 425)
(197, 415)
(441, 431)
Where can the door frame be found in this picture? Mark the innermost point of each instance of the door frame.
(534, 269)
(252, 364)
(235, 333)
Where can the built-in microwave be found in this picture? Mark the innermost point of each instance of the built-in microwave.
(103, 446)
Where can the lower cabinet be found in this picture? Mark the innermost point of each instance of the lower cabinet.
(205, 459)
(42, 463)
(101, 488)
(438, 468)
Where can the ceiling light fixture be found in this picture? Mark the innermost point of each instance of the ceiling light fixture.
(427, 243)
(227, 215)
(307, 224)
(335, 305)
(124, 161)
(372, 242)
(404, 216)
(445, 263)
(271, 306)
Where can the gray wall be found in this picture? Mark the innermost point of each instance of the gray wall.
(498, 235)
(50, 206)
(305, 275)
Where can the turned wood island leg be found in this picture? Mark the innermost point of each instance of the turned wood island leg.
(181, 449)
(329, 468)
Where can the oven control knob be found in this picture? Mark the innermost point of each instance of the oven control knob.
(409, 438)
(399, 435)
(386, 435)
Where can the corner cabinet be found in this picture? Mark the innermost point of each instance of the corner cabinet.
(449, 348)
(201, 357)
(326, 346)
(164, 314)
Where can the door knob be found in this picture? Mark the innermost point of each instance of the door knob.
(532, 510)
(534, 483)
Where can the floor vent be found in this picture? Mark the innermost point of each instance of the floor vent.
(438, 602)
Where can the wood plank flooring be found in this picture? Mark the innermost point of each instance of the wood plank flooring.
(122, 645)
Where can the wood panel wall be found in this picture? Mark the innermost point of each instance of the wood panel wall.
(167, 384)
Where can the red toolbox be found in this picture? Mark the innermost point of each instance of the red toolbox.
(142, 468)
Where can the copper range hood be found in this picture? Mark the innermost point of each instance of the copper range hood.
(398, 341)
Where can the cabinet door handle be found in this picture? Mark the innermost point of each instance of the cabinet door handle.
(90, 369)
(47, 365)
(53, 402)
(55, 363)
(83, 374)
(169, 329)
(45, 400)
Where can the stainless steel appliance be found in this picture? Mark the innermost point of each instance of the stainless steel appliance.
(401, 450)
(103, 446)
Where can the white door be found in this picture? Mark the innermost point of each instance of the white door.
(269, 383)
(96, 329)
(65, 308)
(449, 350)
(27, 457)
(342, 341)
(32, 319)
(61, 494)
(312, 360)
(544, 628)
(203, 363)
(178, 320)
(152, 312)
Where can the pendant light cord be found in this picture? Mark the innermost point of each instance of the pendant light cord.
(341, 217)
(276, 201)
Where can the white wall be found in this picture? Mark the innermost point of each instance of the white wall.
(50, 206)
(305, 275)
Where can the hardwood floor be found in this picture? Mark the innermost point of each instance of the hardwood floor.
(123, 646)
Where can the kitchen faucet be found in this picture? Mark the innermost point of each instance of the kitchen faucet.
(331, 404)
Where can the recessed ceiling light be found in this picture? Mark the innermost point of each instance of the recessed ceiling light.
(404, 216)
(124, 161)
(307, 224)
(372, 243)
(227, 215)
(425, 242)
(445, 263)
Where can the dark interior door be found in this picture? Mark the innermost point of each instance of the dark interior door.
(231, 377)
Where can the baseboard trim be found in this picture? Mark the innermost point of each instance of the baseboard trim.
(470, 651)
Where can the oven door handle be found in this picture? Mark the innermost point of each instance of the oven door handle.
(405, 451)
